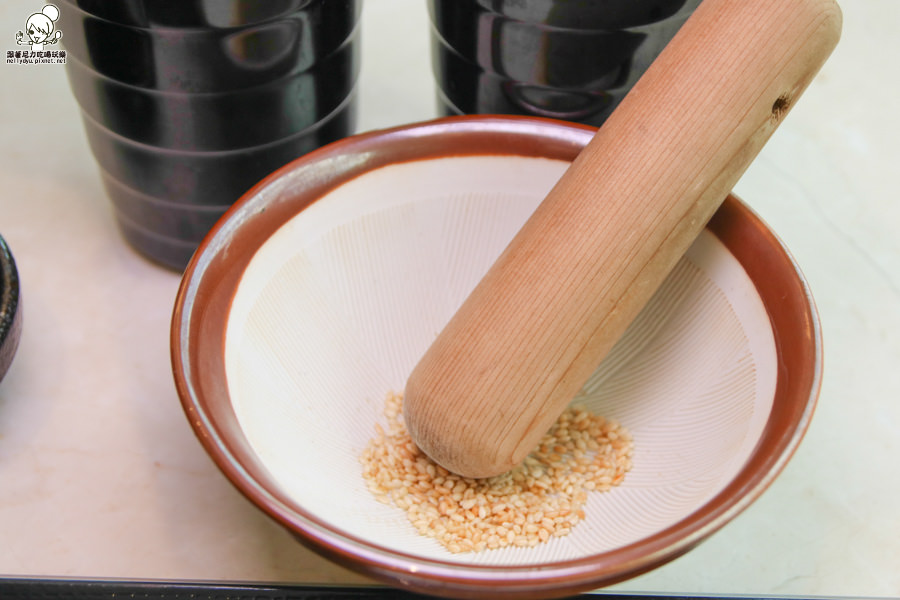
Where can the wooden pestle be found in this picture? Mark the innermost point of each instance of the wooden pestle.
(597, 248)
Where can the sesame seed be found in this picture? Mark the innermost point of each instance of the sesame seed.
(540, 499)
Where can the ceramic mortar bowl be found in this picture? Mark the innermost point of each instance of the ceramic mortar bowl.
(316, 294)
(10, 308)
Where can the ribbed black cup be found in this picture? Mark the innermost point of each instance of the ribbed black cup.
(189, 103)
(566, 59)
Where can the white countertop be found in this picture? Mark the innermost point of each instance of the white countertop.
(101, 476)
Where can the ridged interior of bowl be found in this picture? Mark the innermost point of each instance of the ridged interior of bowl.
(337, 306)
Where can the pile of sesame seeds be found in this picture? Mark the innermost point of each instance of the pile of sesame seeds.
(542, 498)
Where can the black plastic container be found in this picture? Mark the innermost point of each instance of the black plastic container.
(10, 308)
(188, 103)
(566, 59)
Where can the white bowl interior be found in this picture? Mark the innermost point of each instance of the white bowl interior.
(337, 306)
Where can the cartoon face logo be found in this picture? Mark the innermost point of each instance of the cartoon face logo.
(39, 29)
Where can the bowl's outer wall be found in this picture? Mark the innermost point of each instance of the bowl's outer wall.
(10, 308)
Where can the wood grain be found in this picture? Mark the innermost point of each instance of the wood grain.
(596, 249)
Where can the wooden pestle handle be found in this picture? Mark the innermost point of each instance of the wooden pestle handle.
(597, 248)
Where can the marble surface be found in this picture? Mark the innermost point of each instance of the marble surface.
(100, 475)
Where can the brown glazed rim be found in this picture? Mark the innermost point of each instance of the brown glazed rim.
(210, 280)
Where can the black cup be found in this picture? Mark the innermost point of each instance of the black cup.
(552, 58)
(188, 103)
